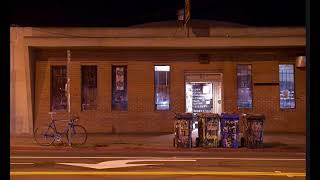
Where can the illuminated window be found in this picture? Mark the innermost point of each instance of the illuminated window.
(244, 86)
(119, 88)
(88, 87)
(58, 88)
(286, 78)
(161, 85)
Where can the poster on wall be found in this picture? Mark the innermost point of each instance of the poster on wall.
(119, 78)
(202, 97)
(119, 88)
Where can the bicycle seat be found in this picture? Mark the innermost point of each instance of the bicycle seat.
(52, 113)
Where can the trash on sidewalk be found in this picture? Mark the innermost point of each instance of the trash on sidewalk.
(229, 130)
(182, 130)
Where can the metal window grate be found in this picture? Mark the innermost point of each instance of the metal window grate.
(88, 87)
(286, 78)
(244, 86)
(58, 88)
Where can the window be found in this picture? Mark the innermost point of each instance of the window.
(244, 86)
(161, 85)
(88, 88)
(286, 78)
(58, 88)
(119, 88)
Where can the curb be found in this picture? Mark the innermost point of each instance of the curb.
(144, 149)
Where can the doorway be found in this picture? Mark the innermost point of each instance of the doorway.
(203, 93)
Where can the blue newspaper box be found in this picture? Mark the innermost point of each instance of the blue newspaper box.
(229, 130)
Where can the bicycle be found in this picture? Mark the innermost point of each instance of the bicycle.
(46, 136)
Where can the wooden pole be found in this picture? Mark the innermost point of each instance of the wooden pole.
(187, 15)
(68, 92)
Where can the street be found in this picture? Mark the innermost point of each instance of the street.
(157, 165)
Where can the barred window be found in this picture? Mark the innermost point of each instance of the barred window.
(88, 88)
(58, 88)
(286, 78)
(161, 85)
(119, 88)
(244, 86)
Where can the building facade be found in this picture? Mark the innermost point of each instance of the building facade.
(134, 80)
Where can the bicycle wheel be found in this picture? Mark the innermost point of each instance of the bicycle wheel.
(78, 135)
(44, 136)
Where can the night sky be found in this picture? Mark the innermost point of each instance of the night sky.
(124, 13)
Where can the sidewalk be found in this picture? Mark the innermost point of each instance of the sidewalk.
(160, 142)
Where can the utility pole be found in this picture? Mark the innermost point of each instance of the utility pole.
(68, 93)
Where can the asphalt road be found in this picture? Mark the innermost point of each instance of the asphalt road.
(157, 166)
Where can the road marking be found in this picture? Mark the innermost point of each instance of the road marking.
(196, 158)
(120, 163)
(21, 163)
(230, 173)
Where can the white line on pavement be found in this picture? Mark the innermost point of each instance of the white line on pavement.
(21, 163)
(122, 163)
(197, 158)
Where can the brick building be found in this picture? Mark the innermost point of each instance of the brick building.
(134, 79)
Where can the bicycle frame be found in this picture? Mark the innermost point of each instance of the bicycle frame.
(52, 125)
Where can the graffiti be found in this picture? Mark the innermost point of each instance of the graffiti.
(254, 133)
(182, 134)
(208, 129)
(229, 128)
(212, 132)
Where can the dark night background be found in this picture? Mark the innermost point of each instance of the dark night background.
(125, 13)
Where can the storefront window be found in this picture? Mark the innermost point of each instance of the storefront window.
(162, 85)
(286, 78)
(88, 87)
(58, 88)
(119, 88)
(244, 86)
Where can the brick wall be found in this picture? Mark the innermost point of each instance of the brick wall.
(141, 116)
